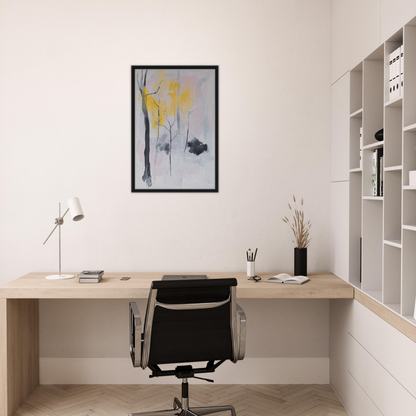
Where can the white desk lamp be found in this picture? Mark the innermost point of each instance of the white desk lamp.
(75, 210)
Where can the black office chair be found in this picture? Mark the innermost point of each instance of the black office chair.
(188, 321)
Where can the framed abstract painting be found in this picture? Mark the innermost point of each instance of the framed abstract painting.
(174, 143)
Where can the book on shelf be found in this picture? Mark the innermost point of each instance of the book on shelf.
(377, 174)
(381, 170)
(374, 174)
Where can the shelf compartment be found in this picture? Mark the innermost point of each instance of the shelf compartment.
(395, 307)
(356, 89)
(409, 155)
(375, 294)
(373, 105)
(409, 208)
(412, 127)
(393, 131)
(393, 243)
(357, 114)
(367, 155)
(373, 198)
(355, 125)
(410, 319)
(395, 102)
(372, 246)
(392, 168)
(392, 205)
(392, 275)
(373, 146)
(409, 109)
(355, 215)
(409, 273)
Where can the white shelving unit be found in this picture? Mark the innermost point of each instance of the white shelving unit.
(384, 227)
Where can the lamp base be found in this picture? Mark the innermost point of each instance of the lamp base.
(59, 276)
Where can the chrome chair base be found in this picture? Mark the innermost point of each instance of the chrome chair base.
(179, 410)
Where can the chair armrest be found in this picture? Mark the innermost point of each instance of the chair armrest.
(135, 335)
(192, 306)
(241, 331)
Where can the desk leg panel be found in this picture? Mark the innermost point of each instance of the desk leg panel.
(19, 355)
(3, 357)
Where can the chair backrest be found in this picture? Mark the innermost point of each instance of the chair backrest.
(190, 321)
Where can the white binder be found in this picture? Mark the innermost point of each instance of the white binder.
(395, 89)
(401, 70)
(391, 57)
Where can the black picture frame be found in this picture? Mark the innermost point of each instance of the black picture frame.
(197, 156)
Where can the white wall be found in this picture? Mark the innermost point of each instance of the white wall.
(65, 131)
(360, 26)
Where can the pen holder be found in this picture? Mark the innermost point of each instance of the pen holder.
(251, 269)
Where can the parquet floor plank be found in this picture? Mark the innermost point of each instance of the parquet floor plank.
(121, 400)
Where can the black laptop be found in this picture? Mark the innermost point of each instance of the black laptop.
(184, 276)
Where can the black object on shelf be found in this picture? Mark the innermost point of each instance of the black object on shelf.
(301, 261)
(379, 135)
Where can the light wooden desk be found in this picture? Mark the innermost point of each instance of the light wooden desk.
(19, 315)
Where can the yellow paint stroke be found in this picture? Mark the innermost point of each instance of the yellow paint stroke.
(186, 100)
(169, 98)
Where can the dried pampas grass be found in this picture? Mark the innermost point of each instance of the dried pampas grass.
(299, 227)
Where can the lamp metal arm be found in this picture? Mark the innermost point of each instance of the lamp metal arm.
(58, 221)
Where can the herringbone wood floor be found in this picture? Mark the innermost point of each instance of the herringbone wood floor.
(121, 400)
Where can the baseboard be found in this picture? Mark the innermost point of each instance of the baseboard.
(248, 371)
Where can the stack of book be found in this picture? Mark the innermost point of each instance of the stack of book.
(91, 276)
(412, 178)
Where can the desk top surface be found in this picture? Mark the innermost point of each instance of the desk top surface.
(35, 286)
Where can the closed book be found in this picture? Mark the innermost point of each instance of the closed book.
(96, 280)
(91, 273)
(381, 167)
(374, 174)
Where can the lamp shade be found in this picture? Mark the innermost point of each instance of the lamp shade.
(75, 209)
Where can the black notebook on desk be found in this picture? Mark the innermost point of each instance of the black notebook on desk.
(184, 276)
